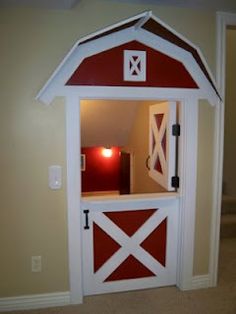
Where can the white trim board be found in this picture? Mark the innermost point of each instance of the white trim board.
(223, 20)
(35, 301)
(86, 48)
(73, 197)
(188, 173)
(201, 282)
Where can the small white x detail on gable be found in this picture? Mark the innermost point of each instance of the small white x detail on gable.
(134, 65)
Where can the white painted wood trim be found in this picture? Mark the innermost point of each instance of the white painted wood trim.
(223, 19)
(131, 173)
(132, 202)
(38, 301)
(201, 282)
(73, 197)
(188, 174)
(34, 301)
(130, 93)
(56, 84)
(168, 110)
(130, 244)
(40, 95)
(159, 44)
(188, 168)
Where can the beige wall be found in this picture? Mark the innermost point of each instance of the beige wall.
(204, 188)
(138, 147)
(32, 217)
(230, 115)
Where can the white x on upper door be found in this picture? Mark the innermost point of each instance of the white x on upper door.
(162, 144)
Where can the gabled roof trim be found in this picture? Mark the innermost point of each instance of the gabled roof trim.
(100, 33)
(171, 35)
(145, 21)
(136, 21)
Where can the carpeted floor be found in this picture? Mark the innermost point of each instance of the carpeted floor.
(169, 300)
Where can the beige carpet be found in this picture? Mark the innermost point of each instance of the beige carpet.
(166, 300)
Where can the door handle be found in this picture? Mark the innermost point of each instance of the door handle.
(147, 162)
(86, 226)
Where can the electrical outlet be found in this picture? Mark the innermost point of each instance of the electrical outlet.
(36, 264)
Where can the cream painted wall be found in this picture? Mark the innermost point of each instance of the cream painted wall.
(33, 218)
(204, 188)
(230, 115)
(138, 147)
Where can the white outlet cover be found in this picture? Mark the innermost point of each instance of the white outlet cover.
(36, 264)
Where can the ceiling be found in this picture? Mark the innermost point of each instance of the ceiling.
(43, 4)
(219, 5)
(99, 119)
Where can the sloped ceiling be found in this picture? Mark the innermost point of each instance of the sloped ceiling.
(107, 122)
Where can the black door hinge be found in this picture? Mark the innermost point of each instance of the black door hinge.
(176, 129)
(175, 182)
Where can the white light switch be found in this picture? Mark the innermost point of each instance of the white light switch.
(54, 177)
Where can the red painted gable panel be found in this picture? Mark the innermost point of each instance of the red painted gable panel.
(106, 69)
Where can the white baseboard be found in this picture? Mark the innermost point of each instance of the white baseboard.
(38, 301)
(201, 282)
(35, 301)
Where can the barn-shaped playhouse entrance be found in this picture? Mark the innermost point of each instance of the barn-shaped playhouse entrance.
(135, 241)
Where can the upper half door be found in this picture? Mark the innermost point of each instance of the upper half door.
(162, 144)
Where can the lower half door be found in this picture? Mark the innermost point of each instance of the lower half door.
(130, 249)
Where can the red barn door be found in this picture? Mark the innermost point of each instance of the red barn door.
(129, 244)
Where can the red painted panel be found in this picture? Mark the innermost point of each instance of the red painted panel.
(131, 268)
(130, 221)
(155, 243)
(104, 246)
(153, 142)
(157, 165)
(106, 69)
(101, 174)
(159, 117)
(163, 144)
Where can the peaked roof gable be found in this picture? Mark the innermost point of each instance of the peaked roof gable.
(144, 22)
(106, 69)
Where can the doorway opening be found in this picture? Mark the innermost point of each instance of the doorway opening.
(125, 127)
(130, 155)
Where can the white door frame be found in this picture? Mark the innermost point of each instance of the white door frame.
(223, 20)
(187, 171)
